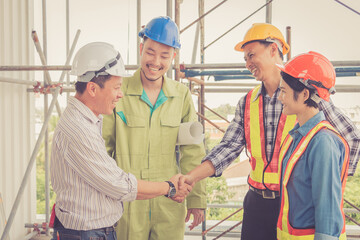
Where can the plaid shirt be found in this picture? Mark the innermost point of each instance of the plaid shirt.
(233, 141)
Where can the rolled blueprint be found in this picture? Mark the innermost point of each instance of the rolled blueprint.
(190, 133)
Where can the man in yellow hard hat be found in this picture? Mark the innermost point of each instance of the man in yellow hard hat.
(260, 126)
(141, 135)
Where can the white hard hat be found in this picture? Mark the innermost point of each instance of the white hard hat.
(97, 58)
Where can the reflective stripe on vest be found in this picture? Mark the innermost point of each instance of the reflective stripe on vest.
(284, 229)
(262, 173)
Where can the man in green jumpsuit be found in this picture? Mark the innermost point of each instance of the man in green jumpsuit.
(141, 135)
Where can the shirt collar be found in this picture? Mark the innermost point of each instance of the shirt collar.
(262, 91)
(135, 86)
(312, 122)
(84, 110)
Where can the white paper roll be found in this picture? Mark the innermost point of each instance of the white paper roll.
(190, 133)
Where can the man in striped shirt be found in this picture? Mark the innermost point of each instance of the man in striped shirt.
(89, 186)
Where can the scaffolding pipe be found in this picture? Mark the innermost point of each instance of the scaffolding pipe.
(242, 65)
(268, 16)
(35, 68)
(196, 42)
(29, 167)
(348, 7)
(216, 114)
(221, 78)
(339, 89)
(193, 73)
(288, 40)
(31, 235)
(18, 81)
(352, 71)
(50, 68)
(36, 148)
(47, 80)
(205, 232)
(203, 15)
(177, 57)
(47, 77)
(238, 24)
(169, 7)
(201, 97)
(67, 41)
(209, 121)
(138, 28)
(135, 66)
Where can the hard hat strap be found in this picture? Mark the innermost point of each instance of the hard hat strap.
(109, 64)
(274, 40)
(88, 76)
(311, 83)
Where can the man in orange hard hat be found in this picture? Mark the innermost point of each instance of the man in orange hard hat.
(314, 157)
(260, 126)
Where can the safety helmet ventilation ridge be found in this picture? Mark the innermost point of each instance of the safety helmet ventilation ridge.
(95, 59)
(315, 71)
(162, 30)
(264, 32)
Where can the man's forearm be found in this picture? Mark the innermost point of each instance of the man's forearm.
(204, 170)
(147, 190)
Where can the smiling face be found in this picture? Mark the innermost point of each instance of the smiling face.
(260, 60)
(156, 59)
(108, 96)
(291, 104)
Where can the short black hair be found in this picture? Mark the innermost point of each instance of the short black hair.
(297, 86)
(266, 44)
(100, 80)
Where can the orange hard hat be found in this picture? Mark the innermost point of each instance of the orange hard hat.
(264, 32)
(314, 71)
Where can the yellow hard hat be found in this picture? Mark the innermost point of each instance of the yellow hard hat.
(263, 32)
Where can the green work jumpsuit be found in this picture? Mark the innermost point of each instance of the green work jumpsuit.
(144, 144)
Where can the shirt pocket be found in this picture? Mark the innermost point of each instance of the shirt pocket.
(169, 133)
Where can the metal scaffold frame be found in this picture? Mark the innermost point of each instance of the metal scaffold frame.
(188, 71)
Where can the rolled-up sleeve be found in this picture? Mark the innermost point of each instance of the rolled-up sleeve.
(347, 130)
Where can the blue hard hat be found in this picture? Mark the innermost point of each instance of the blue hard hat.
(162, 30)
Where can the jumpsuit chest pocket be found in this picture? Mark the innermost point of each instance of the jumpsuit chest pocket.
(135, 132)
(169, 133)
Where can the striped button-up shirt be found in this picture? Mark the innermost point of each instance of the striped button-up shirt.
(233, 141)
(89, 186)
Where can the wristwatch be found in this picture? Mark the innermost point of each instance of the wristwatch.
(172, 190)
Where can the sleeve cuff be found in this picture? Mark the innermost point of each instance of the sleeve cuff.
(132, 190)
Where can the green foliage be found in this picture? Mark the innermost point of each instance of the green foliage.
(223, 110)
(40, 171)
(352, 193)
(217, 193)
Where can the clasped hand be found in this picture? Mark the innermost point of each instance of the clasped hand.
(182, 188)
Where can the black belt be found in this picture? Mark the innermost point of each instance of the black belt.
(58, 224)
(265, 193)
(108, 229)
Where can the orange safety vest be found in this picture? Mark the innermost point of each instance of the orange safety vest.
(262, 174)
(284, 230)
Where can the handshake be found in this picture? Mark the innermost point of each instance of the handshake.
(183, 185)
